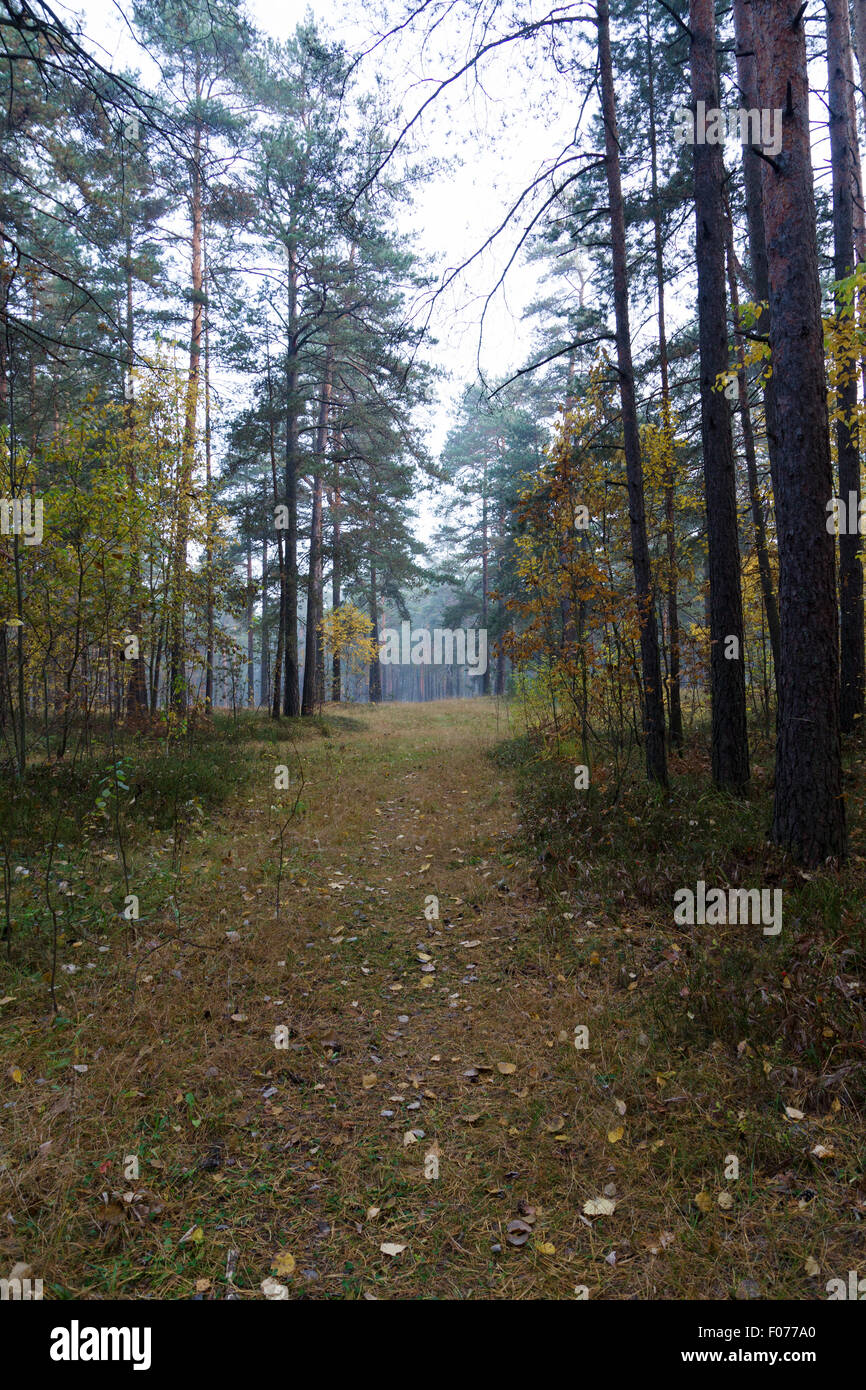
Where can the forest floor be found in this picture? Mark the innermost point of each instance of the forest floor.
(412, 1041)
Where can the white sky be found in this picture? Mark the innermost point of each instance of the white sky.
(492, 144)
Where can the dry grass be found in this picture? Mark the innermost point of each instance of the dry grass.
(261, 1150)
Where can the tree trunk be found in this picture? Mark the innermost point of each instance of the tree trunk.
(653, 704)
(136, 689)
(485, 679)
(759, 524)
(860, 45)
(675, 714)
(730, 747)
(847, 435)
(747, 80)
(177, 674)
(276, 685)
(251, 668)
(291, 693)
(313, 693)
(375, 664)
(336, 566)
(264, 666)
(809, 811)
(209, 584)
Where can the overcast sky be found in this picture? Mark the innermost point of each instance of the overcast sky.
(491, 143)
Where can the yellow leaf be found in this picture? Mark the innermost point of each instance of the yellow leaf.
(506, 1068)
(704, 1201)
(369, 1079)
(546, 1247)
(824, 1151)
(283, 1264)
(16, 1075)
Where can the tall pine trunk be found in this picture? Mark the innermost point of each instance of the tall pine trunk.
(375, 664)
(842, 141)
(675, 713)
(209, 519)
(809, 812)
(336, 565)
(730, 746)
(313, 692)
(759, 523)
(291, 691)
(136, 687)
(747, 80)
(177, 673)
(653, 702)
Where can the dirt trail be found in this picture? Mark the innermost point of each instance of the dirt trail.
(389, 1061)
(428, 1015)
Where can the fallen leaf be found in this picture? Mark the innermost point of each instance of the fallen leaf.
(506, 1068)
(812, 1266)
(599, 1206)
(273, 1290)
(194, 1234)
(704, 1201)
(368, 1080)
(518, 1232)
(546, 1247)
(614, 1135)
(283, 1264)
(656, 1245)
(725, 1201)
(794, 1114)
(389, 1248)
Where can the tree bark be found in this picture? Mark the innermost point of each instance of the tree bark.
(809, 812)
(177, 674)
(842, 140)
(759, 523)
(313, 693)
(375, 664)
(291, 692)
(675, 713)
(730, 746)
(653, 703)
(747, 78)
(336, 566)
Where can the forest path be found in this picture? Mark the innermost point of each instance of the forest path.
(291, 1081)
(410, 1035)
